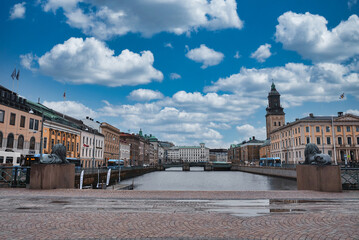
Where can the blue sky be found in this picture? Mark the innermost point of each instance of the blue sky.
(185, 71)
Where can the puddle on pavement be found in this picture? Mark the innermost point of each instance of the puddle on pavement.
(60, 202)
(251, 208)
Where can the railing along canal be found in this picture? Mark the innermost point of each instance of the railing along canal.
(350, 178)
(14, 176)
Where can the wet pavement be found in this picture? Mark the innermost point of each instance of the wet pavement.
(111, 214)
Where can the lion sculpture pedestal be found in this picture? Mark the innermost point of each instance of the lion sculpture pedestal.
(52, 176)
(317, 173)
(54, 171)
(319, 178)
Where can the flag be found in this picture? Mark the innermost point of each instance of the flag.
(341, 96)
(13, 74)
(64, 95)
(18, 75)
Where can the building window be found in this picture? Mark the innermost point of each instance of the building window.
(77, 147)
(327, 129)
(357, 128)
(45, 143)
(307, 129)
(340, 140)
(22, 121)
(12, 118)
(339, 129)
(52, 142)
(278, 123)
(2, 115)
(348, 129)
(10, 141)
(357, 139)
(317, 129)
(318, 140)
(275, 123)
(328, 140)
(36, 124)
(295, 131)
(1, 136)
(349, 140)
(330, 153)
(308, 140)
(20, 142)
(31, 124)
(32, 143)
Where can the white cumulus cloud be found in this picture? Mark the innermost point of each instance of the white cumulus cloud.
(90, 61)
(175, 76)
(353, 111)
(105, 19)
(308, 35)
(247, 131)
(205, 55)
(296, 82)
(262, 53)
(18, 11)
(71, 108)
(145, 95)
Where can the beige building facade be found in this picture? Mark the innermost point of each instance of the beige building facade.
(336, 136)
(112, 141)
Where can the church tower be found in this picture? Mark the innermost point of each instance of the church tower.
(275, 116)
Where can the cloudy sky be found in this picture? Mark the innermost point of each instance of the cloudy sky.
(186, 71)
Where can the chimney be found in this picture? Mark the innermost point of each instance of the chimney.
(297, 119)
(311, 115)
(340, 114)
(254, 138)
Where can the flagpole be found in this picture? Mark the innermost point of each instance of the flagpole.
(18, 79)
(63, 114)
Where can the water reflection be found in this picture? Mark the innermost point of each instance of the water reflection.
(174, 179)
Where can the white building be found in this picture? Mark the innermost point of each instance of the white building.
(125, 149)
(188, 153)
(92, 146)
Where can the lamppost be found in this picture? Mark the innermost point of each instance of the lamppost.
(93, 148)
(41, 132)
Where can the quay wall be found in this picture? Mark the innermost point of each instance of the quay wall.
(90, 179)
(269, 171)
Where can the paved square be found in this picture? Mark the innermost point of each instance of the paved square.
(108, 214)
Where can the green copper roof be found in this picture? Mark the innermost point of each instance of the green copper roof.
(273, 86)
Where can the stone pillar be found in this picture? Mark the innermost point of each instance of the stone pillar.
(52, 176)
(319, 178)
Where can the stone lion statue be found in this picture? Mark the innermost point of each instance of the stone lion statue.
(57, 156)
(314, 156)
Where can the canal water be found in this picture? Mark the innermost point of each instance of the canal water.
(174, 179)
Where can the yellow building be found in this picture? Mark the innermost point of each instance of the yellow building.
(336, 136)
(58, 129)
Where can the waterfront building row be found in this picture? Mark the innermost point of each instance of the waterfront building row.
(246, 152)
(24, 125)
(189, 153)
(337, 136)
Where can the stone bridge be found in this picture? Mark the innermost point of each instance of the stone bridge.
(208, 166)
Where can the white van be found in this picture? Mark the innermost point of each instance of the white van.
(10, 158)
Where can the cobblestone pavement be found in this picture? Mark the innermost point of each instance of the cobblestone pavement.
(106, 214)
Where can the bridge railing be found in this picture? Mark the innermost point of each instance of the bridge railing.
(14, 176)
(350, 178)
